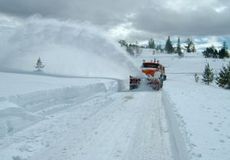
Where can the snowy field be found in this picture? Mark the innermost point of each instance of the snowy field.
(85, 118)
(200, 112)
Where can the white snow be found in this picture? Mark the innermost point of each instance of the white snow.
(64, 47)
(75, 108)
(198, 114)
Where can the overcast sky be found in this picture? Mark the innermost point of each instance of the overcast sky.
(134, 18)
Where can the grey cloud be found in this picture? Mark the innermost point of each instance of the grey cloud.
(95, 11)
(169, 17)
(203, 21)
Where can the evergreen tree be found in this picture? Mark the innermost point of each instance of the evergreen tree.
(159, 48)
(152, 44)
(190, 46)
(168, 46)
(210, 52)
(208, 75)
(39, 65)
(223, 78)
(224, 51)
(123, 43)
(178, 49)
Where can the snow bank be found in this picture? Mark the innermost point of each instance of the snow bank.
(14, 118)
(177, 139)
(31, 102)
(64, 47)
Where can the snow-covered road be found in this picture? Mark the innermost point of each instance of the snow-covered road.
(119, 126)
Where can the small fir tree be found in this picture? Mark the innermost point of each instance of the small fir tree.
(39, 65)
(168, 46)
(223, 53)
(152, 44)
(223, 78)
(190, 46)
(208, 75)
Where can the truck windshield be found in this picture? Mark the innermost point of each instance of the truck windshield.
(150, 65)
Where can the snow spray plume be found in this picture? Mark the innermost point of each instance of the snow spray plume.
(65, 47)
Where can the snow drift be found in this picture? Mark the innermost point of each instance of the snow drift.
(65, 47)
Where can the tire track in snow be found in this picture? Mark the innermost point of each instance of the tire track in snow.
(113, 127)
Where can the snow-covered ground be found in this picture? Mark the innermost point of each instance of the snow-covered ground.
(85, 118)
(106, 126)
(73, 110)
(79, 106)
(200, 112)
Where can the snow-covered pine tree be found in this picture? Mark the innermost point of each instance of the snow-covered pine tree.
(39, 65)
(223, 78)
(168, 46)
(152, 44)
(190, 46)
(178, 49)
(224, 51)
(210, 52)
(208, 75)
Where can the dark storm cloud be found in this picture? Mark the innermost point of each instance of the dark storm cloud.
(170, 17)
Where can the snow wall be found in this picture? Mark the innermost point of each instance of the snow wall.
(65, 47)
(177, 138)
(21, 111)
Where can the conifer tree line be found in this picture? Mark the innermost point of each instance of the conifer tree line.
(189, 47)
(169, 47)
(222, 79)
(212, 52)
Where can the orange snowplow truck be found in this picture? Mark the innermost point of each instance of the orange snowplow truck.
(149, 68)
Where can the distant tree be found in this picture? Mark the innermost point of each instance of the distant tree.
(178, 49)
(134, 49)
(208, 75)
(151, 44)
(223, 78)
(39, 65)
(123, 43)
(210, 52)
(168, 46)
(190, 47)
(223, 53)
(159, 48)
